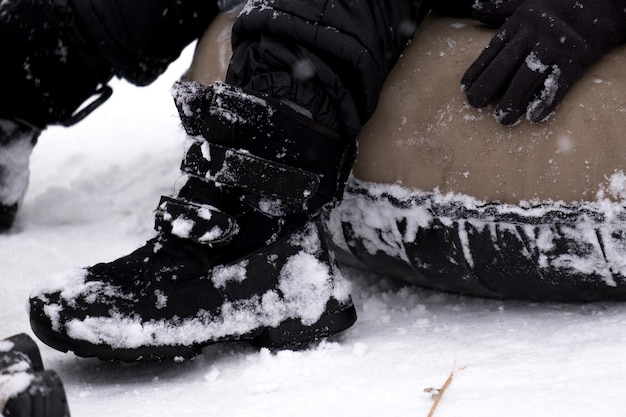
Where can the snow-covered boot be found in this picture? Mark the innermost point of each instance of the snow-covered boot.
(26, 389)
(239, 254)
(16, 145)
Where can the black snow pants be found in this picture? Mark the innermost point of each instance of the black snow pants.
(140, 38)
(59, 54)
(328, 56)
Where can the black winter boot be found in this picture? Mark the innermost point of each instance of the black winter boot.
(26, 390)
(239, 253)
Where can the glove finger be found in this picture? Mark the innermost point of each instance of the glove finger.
(523, 91)
(494, 12)
(489, 75)
(553, 90)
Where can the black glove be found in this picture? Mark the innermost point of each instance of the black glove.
(456, 8)
(494, 12)
(541, 50)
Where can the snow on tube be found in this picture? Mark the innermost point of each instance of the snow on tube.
(445, 197)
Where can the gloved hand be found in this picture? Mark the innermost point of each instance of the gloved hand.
(494, 12)
(456, 8)
(539, 52)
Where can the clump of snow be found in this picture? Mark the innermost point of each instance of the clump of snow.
(256, 5)
(306, 285)
(204, 212)
(19, 366)
(212, 235)
(616, 187)
(272, 206)
(18, 362)
(6, 345)
(535, 64)
(182, 227)
(205, 149)
(308, 239)
(12, 385)
(69, 283)
(184, 224)
(223, 275)
(161, 299)
(53, 312)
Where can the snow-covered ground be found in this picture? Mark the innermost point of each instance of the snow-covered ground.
(93, 189)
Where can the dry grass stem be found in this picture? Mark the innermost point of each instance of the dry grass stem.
(439, 392)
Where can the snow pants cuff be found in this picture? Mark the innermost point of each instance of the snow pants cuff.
(328, 56)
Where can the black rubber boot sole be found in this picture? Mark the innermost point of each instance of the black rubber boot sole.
(291, 334)
(45, 397)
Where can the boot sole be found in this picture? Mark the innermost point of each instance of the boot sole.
(45, 399)
(290, 334)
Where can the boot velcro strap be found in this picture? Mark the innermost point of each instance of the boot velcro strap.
(198, 222)
(239, 169)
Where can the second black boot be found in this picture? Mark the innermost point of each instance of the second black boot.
(239, 254)
(26, 389)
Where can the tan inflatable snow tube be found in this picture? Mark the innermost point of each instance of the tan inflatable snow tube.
(539, 225)
(424, 134)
